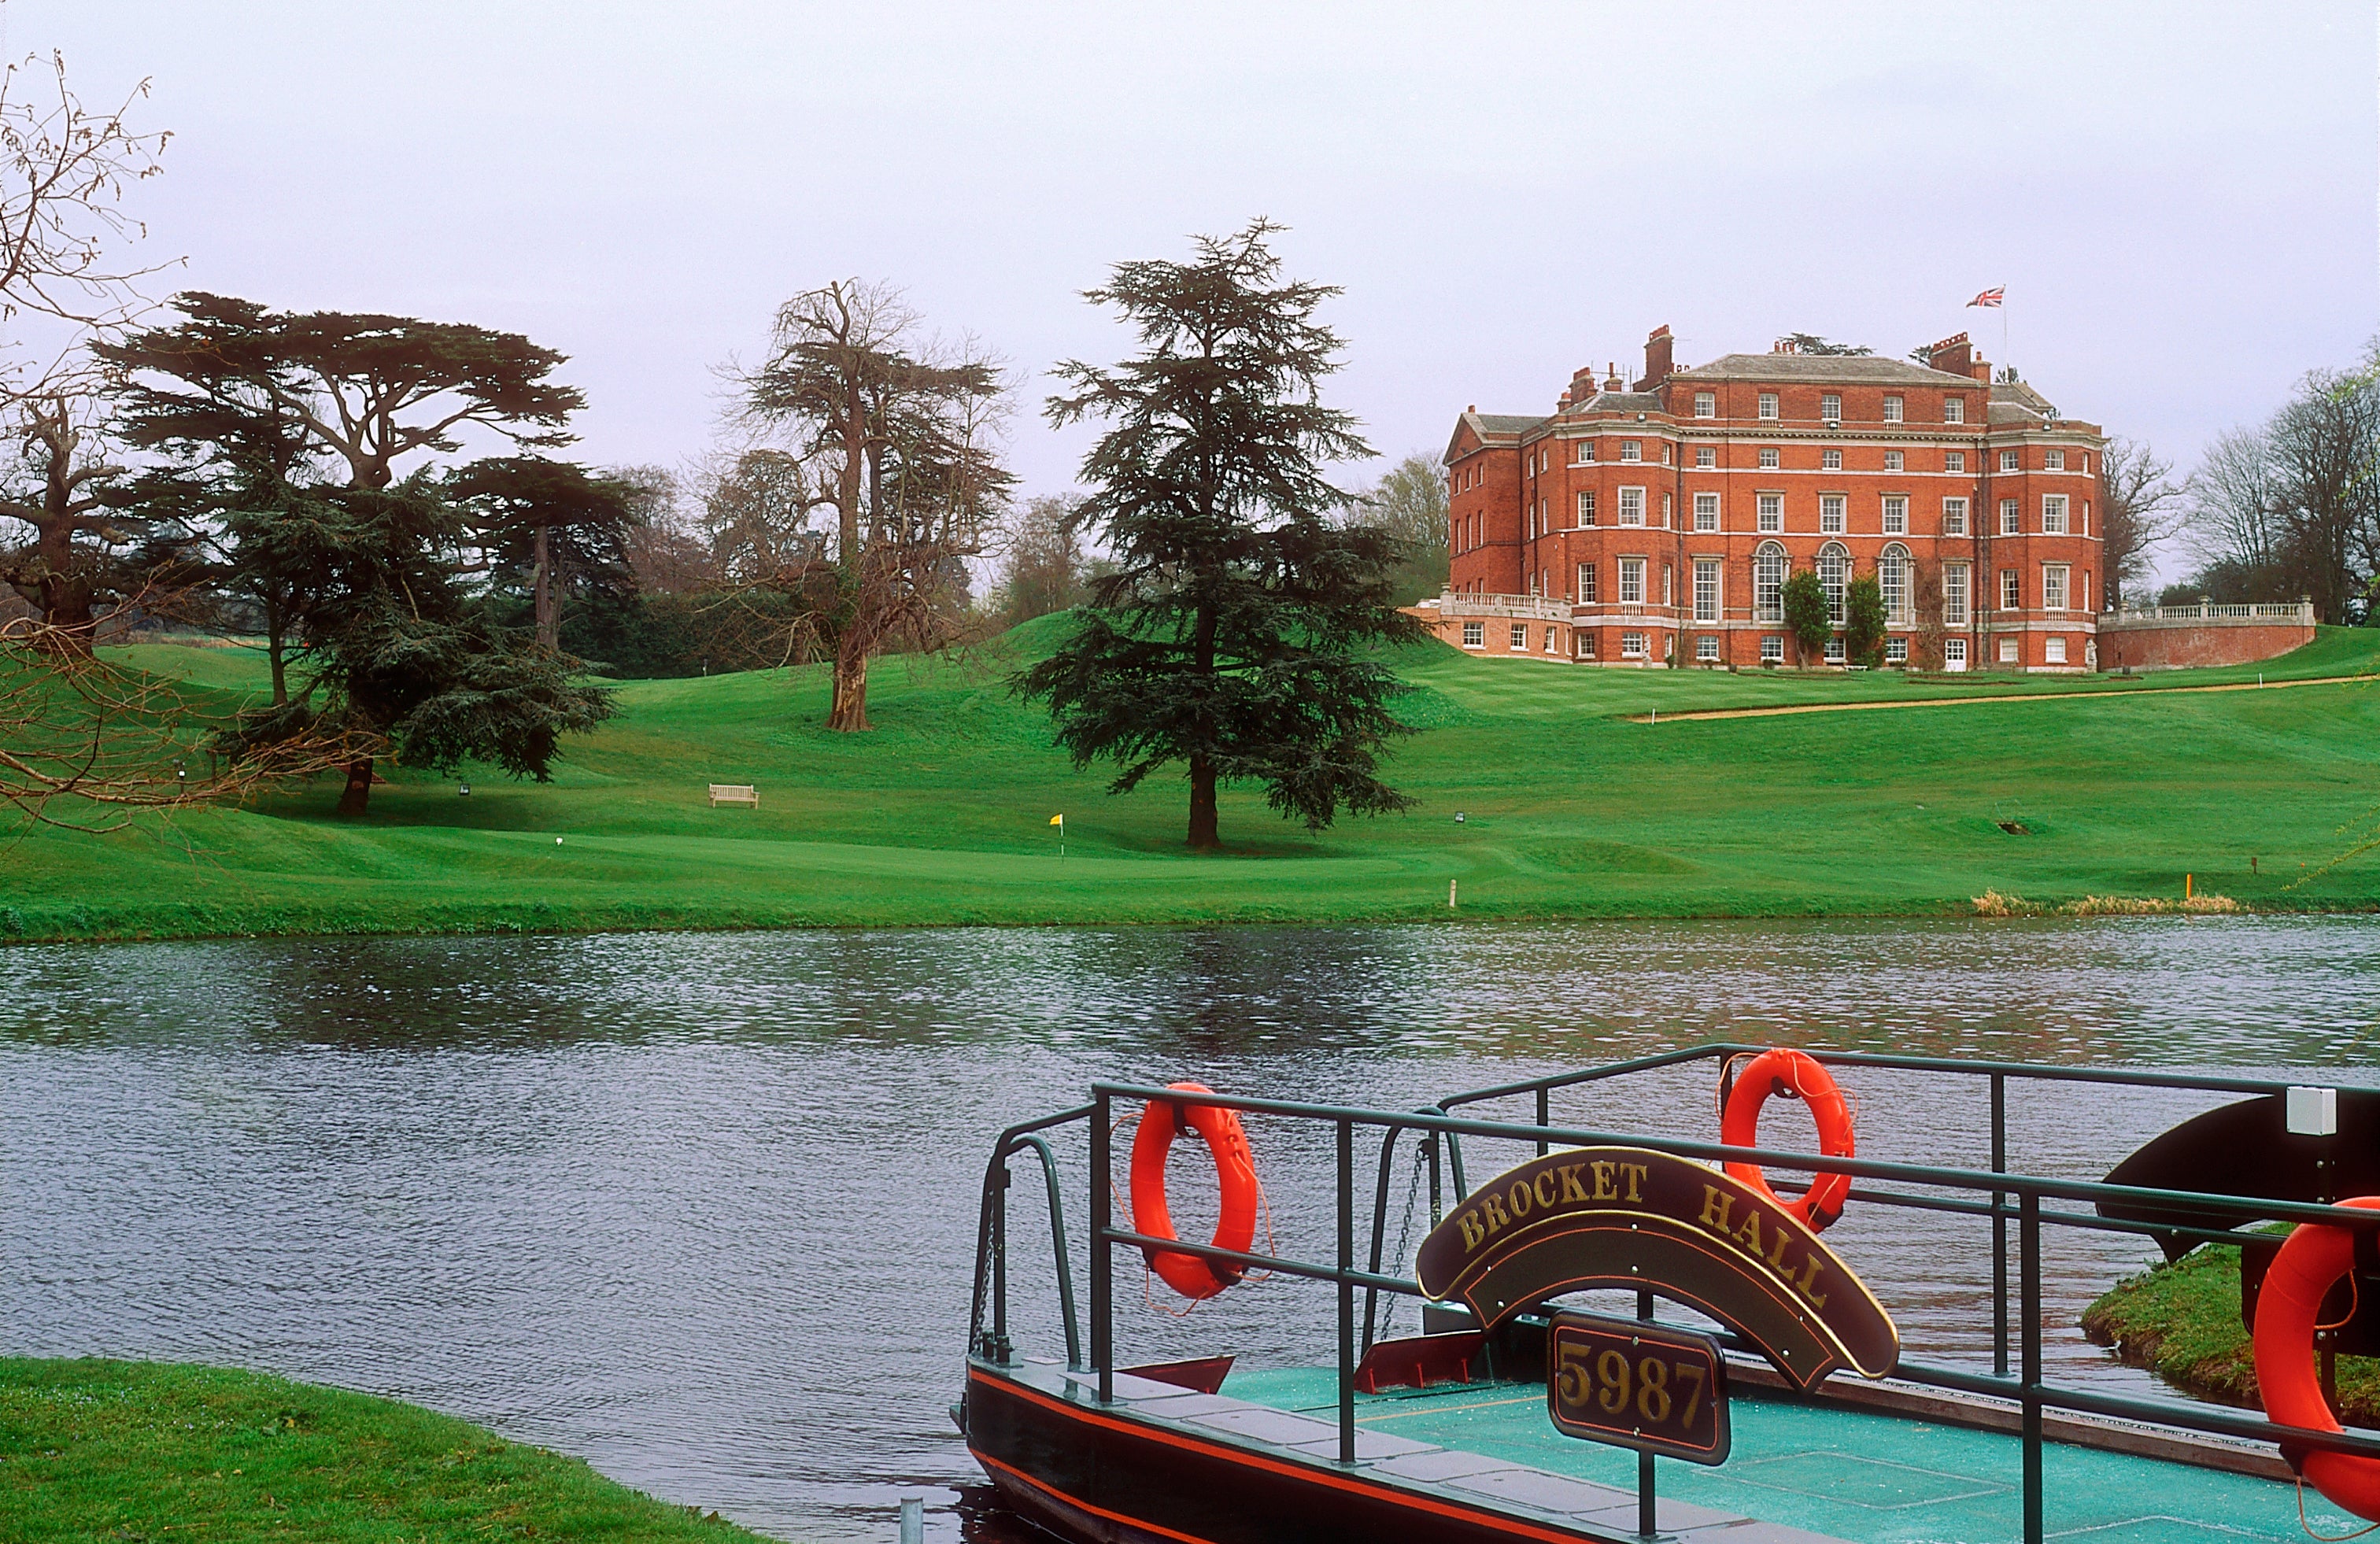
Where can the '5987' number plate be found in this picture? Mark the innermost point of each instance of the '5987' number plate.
(1638, 1385)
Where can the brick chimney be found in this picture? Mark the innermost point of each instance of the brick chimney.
(1657, 366)
(1953, 355)
(1581, 382)
(1613, 382)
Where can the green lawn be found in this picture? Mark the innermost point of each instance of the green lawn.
(941, 816)
(2182, 1321)
(151, 1451)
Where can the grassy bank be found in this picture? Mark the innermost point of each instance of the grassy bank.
(147, 1451)
(2182, 1322)
(1570, 809)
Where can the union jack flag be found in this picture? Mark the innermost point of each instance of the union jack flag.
(1991, 297)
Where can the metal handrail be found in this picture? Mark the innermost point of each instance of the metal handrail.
(991, 1241)
(1441, 1132)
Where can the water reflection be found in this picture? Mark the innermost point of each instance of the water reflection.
(700, 1208)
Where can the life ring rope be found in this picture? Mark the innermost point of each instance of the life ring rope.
(2326, 1537)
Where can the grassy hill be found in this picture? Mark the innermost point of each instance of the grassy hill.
(94, 1449)
(1571, 810)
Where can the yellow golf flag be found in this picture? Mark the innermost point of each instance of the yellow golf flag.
(1056, 820)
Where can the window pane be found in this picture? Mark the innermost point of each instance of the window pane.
(1768, 584)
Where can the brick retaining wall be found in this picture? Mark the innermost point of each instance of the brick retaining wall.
(2174, 638)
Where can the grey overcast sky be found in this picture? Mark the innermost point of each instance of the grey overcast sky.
(2179, 198)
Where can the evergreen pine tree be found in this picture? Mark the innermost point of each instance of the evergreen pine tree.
(1239, 632)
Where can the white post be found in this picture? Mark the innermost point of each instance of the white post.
(1450, 894)
(913, 1520)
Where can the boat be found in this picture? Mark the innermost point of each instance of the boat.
(1644, 1334)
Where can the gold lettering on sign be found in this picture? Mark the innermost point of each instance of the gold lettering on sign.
(1776, 1254)
(1571, 1189)
(1748, 1232)
(1493, 1208)
(1636, 1173)
(1716, 1204)
(1810, 1269)
(1519, 1196)
(1473, 1234)
(1542, 1184)
(1603, 1192)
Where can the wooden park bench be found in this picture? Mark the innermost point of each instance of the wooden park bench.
(735, 793)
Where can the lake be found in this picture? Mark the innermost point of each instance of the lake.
(701, 1208)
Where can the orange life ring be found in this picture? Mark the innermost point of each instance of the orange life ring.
(2311, 1260)
(1795, 1074)
(1235, 1177)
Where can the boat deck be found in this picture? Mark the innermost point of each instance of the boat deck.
(1812, 1470)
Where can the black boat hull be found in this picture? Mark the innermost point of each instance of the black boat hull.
(1103, 1475)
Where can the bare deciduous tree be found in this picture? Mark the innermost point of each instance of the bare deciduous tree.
(55, 478)
(897, 435)
(2231, 501)
(1049, 564)
(63, 171)
(113, 743)
(1410, 504)
(2328, 506)
(2139, 506)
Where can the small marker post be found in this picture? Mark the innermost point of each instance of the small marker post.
(1060, 822)
(1450, 893)
(2189, 886)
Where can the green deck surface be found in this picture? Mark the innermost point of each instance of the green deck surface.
(1868, 1479)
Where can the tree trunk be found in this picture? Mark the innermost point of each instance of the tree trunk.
(549, 625)
(65, 609)
(273, 650)
(357, 796)
(850, 710)
(1203, 835)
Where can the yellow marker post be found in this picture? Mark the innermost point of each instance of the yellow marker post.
(1060, 822)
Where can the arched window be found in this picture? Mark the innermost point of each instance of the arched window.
(1892, 577)
(1768, 582)
(1834, 577)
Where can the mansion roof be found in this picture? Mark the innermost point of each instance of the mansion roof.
(1826, 368)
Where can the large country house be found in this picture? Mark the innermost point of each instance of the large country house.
(1657, 523)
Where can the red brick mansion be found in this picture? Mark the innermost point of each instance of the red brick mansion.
(1656, 524)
